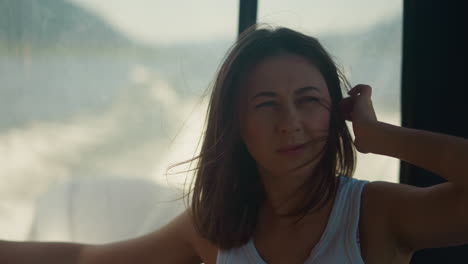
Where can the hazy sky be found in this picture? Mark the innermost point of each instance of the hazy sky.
(156, 21)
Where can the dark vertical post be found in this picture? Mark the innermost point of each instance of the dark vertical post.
(434, 90)
(247, 14)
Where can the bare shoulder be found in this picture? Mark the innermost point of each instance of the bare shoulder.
(382, 195)
(375, 200)
(206, 250)
(378, 240)
(380, 199)
(421, 217)
(176, 242)
(425, 217)
(379, 193)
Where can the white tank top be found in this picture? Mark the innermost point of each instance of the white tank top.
(339, 242)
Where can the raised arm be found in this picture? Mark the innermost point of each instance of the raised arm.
(173, 243)
(418, 218)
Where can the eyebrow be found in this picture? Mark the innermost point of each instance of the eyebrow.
(297, 92)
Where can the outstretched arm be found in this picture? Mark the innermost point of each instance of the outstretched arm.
(39, 252)
(173, 243)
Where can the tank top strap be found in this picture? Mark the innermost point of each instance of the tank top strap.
(338, 244)
(343, 223)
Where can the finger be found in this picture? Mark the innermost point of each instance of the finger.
(354, 91)
(361, 89)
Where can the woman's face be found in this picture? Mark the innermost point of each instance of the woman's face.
(285, 103)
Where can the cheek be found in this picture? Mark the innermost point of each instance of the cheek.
(257, 135)
(261, 129)
(257, 130)
(319, 121)
(315, 117)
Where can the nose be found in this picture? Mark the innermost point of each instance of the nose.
(288, 121)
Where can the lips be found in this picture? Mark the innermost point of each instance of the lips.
(290, 147)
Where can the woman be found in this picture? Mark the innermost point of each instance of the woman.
(274, 178)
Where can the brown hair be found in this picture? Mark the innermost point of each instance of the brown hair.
(227, 190)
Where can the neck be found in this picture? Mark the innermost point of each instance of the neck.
(277, 204)
(285, 193)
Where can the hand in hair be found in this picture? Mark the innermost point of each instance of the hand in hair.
(359, 110)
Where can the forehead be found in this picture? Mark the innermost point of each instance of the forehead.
(283, 74)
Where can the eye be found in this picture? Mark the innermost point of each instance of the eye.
(308, 99)
(265, 104)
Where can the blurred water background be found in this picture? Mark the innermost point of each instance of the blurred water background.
(98, 98)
